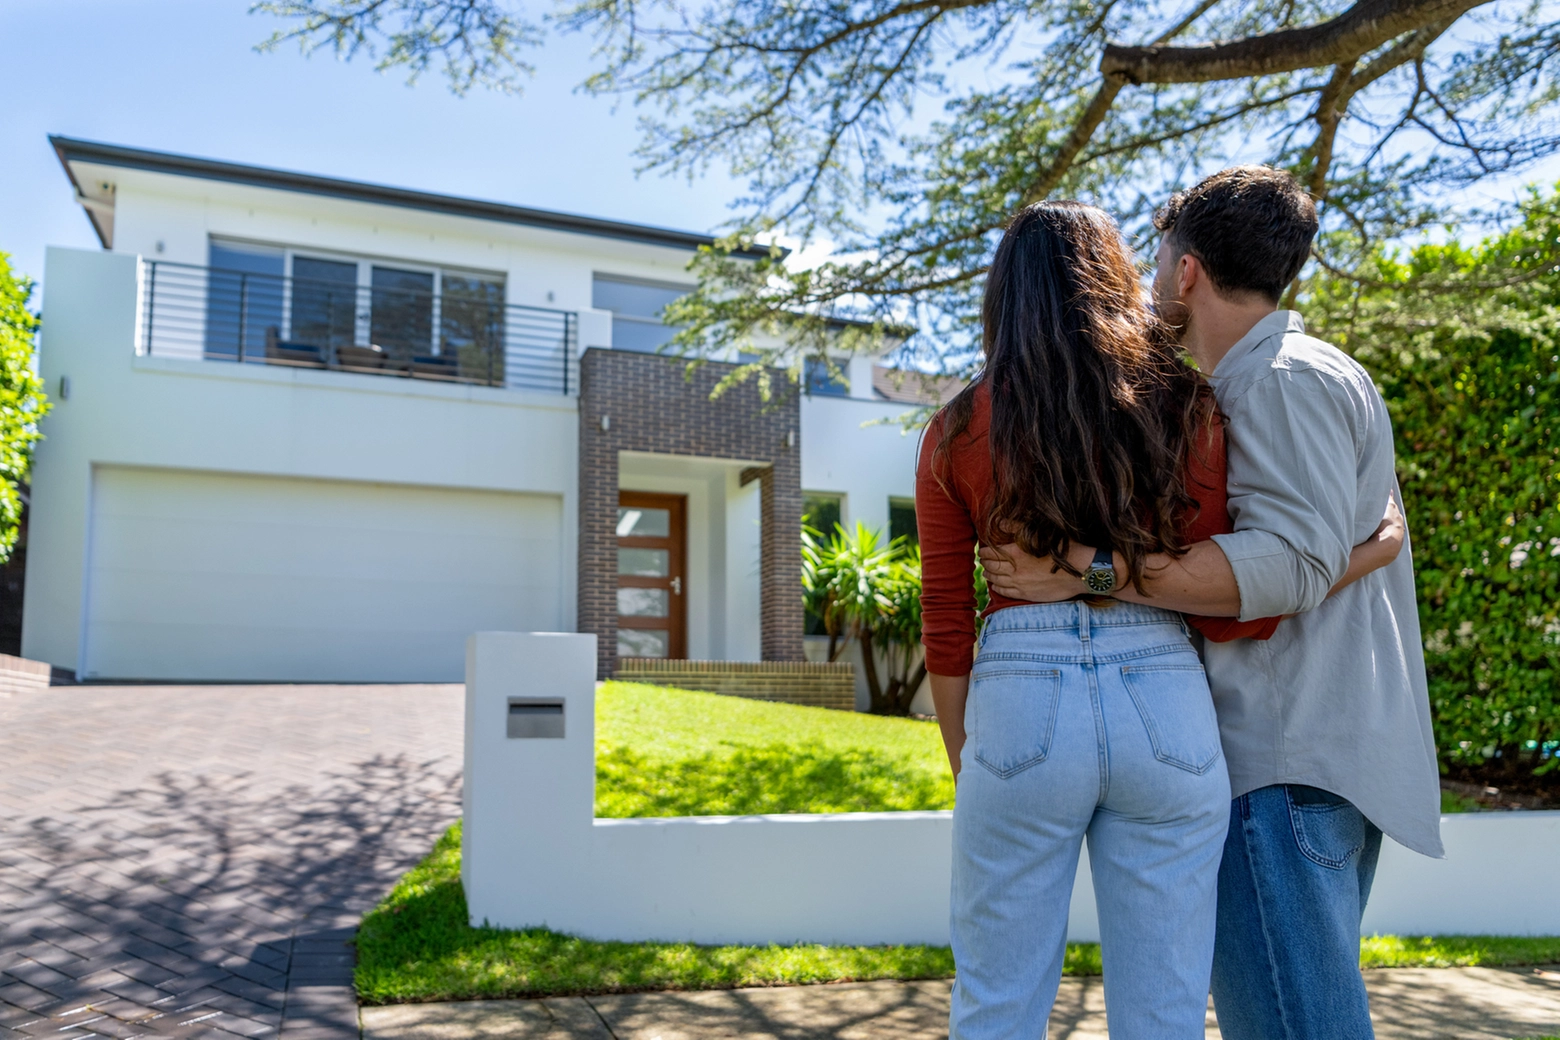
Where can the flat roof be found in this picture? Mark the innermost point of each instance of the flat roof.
(70, 149)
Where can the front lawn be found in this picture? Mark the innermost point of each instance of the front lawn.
(672, 753)
(662, 752)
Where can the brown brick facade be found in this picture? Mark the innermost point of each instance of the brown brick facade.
(651, 405)
(815, 685)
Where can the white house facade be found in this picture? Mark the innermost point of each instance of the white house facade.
(307, 429)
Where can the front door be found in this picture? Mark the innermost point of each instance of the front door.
(652, 617)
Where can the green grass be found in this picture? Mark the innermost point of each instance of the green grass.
(669, 752)
(1457, 951)
(663, 752)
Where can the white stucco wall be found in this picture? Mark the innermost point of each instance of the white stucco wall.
(535, 855)
(867, 464)
(132, 411)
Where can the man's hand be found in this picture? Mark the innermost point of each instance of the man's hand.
(1013, 573)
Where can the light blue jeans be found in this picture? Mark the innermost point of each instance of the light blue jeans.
(1098, 722)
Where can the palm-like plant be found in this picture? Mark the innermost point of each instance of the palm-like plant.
(869, 591)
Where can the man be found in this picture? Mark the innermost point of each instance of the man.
(1326, 727)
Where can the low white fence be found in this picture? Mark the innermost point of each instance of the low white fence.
(535, 855)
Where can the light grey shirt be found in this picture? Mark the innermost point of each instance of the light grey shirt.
(1337, 698)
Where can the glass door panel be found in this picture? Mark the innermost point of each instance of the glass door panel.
(471, 326)
(401, 314)
(651, 607)
(324, 306)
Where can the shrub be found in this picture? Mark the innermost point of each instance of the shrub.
(1471, 376)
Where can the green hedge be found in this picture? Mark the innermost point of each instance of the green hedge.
(1463, 344)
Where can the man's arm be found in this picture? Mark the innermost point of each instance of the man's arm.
(1200, 582)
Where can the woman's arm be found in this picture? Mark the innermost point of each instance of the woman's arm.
(1378, 550)
(949, 693)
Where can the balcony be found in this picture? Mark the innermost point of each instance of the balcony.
(465, 334)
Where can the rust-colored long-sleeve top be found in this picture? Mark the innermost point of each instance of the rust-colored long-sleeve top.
(945, 521)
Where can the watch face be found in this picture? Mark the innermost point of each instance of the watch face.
(1100, 579)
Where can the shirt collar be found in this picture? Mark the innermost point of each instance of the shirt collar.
(1275, 324)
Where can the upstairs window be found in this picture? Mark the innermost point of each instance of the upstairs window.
(637, 306)
(818, 380)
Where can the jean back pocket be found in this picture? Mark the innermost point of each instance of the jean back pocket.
(1177, 711)
(1329, 830)
(1014, 708)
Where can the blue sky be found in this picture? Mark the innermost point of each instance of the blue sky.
(183, 76)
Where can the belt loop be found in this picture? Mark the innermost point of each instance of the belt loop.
(1083, 621)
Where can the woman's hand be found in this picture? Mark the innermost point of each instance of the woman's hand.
(1013, 573)
(1378, 550)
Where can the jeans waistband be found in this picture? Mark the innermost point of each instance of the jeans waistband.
(1079, 615)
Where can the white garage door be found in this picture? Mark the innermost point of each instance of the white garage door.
(204, 576)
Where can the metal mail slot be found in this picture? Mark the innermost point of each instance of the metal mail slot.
(530, 717)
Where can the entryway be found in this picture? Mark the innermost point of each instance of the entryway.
(652, 539)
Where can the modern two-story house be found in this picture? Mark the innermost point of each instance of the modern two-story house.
(309, 429)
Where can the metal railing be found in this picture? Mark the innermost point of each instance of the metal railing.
(466, 334)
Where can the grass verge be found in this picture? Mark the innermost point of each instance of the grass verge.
(416, 946)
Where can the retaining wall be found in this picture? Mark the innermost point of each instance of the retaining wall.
(535, 855)
(818, 685)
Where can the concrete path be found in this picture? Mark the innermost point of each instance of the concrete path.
(1410, 1004)
(189, 861)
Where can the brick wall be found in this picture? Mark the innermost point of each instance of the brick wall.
(816, 685)
(653, 405)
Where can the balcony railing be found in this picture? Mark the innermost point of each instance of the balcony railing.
(466, 334)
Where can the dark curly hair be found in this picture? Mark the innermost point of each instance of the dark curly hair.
(1094, 414)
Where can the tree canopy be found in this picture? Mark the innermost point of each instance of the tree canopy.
(903, 133)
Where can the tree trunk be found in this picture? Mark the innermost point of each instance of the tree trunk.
(911, 687)
(875, 703)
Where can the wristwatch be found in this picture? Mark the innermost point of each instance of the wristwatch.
(1100, 578)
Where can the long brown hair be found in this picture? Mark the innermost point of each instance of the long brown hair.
(1093, 411)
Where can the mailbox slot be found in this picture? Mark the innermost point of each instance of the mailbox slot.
(532, 717)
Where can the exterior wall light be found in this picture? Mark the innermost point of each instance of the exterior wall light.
(606, 423)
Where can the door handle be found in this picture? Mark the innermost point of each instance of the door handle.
(677, 586)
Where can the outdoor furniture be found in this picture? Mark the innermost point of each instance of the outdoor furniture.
(290, 352)
(435, 366)
(371, 358)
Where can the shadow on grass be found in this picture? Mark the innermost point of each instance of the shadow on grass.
(772, 778)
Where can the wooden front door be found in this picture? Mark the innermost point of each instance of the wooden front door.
(652, 614)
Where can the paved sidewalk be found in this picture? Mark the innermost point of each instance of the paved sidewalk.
(1409, 1004)
(189, 861)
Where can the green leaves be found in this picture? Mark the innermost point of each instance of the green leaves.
(1472, 381)
(870, 592)
(22, 401)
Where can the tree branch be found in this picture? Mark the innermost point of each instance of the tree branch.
(1359, 30)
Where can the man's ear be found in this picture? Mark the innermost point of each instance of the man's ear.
(1189, 274)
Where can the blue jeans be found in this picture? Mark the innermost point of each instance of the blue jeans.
(1094, 722)
(1297, 870)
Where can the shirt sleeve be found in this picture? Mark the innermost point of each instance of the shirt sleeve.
(947, 536)
(1292, 491)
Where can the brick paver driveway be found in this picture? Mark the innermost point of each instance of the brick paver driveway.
(190, 860)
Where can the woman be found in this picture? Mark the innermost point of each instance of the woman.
(1090, 717)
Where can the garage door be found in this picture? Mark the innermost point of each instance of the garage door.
(203, 576)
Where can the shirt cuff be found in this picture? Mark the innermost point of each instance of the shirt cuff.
(1264, 573)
